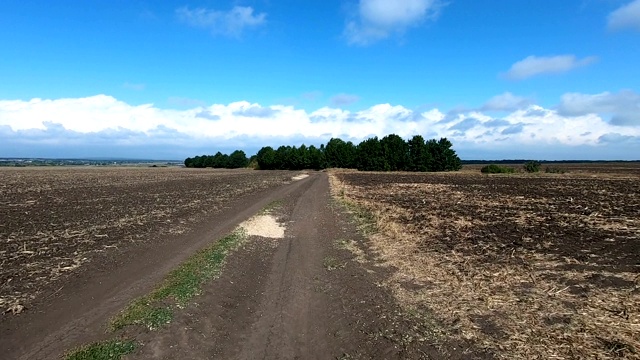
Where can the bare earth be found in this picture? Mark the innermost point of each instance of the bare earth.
(460, 266)
(297, 294)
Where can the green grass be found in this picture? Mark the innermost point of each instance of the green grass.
(270, 207)
(364, 219)
(330, 263)
(107, 350)
(155, 309)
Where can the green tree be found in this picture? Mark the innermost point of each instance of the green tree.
(419, 156)
(237, 159)
(316, 158)
(266, 158)
(198, 161)
(443, 157)
(220, 160)
(302, 157)
(396, 153)
(208, 161)
(340, 154)
(371, 155)
(532, 166)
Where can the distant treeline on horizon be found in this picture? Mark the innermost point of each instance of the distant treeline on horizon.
(391, 153)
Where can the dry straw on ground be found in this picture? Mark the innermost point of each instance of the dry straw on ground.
(521, 298)
(265, 226)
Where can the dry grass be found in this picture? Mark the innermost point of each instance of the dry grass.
(521, 302)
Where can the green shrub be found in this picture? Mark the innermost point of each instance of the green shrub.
(554, 170)
(497, 169)
(532, 166)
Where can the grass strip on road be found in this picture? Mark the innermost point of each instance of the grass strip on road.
(106, 350)
(155, 309)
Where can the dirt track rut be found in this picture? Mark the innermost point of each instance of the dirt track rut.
(300, 297)
(268, 304)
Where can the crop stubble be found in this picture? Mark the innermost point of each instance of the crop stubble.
(56, 221)
(541, 266)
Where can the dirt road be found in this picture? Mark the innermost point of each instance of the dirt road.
(300, 297)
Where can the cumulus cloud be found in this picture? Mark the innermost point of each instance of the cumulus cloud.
(344, 99)
(539, 65)
(378, 19)
(625, 17)
(506, 102)
(623, 107)
(615, 138)
(231, 23)
(105, 124)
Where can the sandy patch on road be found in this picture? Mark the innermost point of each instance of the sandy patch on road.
(300, 177)
(265, 226)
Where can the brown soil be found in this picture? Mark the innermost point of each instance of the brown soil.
(278, 299)
(526, 266)
(60, 221)
(313, 294)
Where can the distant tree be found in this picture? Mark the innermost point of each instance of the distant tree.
(303, 157)
(443, 157)
(497, 169)
(396, 153)
(371, 156)
(266, 158)
(316, 158)
(419, 156)
(198, 161)
(340, 154)
(220, 160)
(285, 158)
(391, 153)
(532, 166)
(209, 161)
(237, 159)
(253, 162)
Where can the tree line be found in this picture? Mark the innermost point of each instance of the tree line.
(391, 153)
(235, 160)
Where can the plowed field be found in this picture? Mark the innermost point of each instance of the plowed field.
(526, 266)
(56, 221)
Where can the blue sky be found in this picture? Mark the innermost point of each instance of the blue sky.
(501, 79)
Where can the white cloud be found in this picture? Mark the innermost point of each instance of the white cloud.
(378, 19)
(91, 121)
(344, 99)
(535, 65)
(627, 16)
(231, 23)
(506, 102)
(623, 107)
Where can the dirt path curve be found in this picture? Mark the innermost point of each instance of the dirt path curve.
(79, 312)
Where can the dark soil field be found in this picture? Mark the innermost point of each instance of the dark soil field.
(387, 266)
(542, 266)
(58, 221)
(96, 260)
